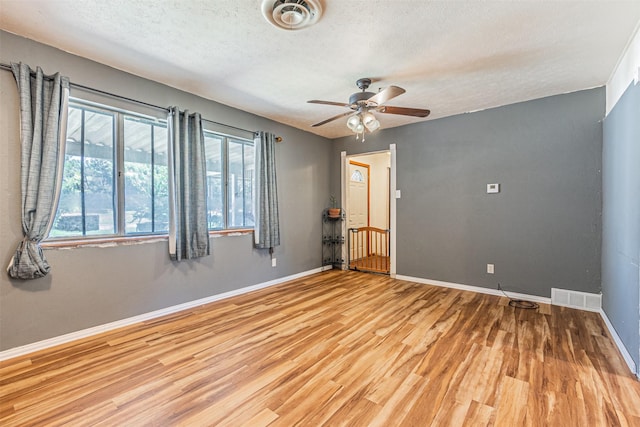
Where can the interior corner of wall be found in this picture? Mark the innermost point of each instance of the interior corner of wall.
(627, 70)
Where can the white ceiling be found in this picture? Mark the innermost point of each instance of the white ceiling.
(451, 56)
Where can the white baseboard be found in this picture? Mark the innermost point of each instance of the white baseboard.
(616, 339)
(477, 289)
(84, 333)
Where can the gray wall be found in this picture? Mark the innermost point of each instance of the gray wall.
(93, 286)
(542, 230)
(621, 219)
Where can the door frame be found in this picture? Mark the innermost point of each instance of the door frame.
(393, 195)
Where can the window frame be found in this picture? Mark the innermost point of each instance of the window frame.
(122, 174)
(225, 138)
(100, 109)
(121, 236)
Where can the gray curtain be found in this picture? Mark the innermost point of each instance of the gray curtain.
(267, 228)
(188, 231)
(43, 119)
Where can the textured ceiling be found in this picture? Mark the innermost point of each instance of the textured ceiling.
(451, 56)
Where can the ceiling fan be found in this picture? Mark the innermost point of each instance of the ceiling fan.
(362, 104)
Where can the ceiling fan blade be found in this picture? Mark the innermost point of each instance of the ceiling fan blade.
(339, 104)
(332, 119)
(415, 112)
(386, 94)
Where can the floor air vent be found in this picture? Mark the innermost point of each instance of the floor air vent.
(576, 299)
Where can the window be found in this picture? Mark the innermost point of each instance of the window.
(115, 180)
(89, 199)
(146, 172)
(230, 199)
(356, 176)
(88, 186)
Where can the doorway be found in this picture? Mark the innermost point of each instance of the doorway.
(367, 206)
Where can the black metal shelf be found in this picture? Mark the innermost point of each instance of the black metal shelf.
(332, 239)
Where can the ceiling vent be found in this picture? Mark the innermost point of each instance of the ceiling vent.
(292, 14)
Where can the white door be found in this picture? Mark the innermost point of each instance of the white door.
(358, 203)
(358, 208)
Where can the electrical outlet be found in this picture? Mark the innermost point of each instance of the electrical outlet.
(273, 262)
(490, 268)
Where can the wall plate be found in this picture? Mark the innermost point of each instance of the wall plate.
(493, 188)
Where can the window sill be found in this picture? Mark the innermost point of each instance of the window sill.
(130, 240)
(102, 241)
(231, 232)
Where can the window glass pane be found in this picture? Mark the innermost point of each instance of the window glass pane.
(68, 221)
(145, 181)
(160, 179)
(99, 188)
(234, 184)
(215, 194)
(249, 176)
(86, 204)
(240, 184)
(138, 197)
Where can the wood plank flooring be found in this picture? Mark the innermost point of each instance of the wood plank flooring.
(336, 348)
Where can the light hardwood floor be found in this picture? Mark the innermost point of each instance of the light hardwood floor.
(336, 348)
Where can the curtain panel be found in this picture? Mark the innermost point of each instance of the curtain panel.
(267, 227)
(43, 120)
(188, 231)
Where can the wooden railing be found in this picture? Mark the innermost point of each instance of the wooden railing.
(369, 249)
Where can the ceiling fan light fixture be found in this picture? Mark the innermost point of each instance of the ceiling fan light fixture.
(353, 122)
(367, 118)
(292, 14)
(372, 125)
